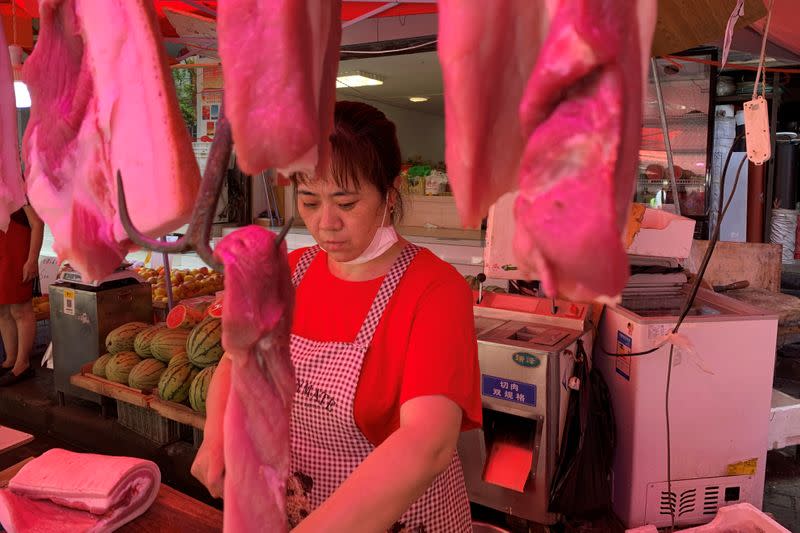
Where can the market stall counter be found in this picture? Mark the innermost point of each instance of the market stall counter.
(171, 511)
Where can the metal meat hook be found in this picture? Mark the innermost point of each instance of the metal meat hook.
(198, 235)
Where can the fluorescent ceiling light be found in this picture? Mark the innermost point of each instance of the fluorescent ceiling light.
(21, 95)
(418, 99)
(357, 79)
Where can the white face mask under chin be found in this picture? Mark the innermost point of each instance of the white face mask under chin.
(385, 237)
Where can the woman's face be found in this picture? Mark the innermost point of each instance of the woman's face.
(342, 221)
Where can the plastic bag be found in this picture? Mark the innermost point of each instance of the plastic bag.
(582, 483)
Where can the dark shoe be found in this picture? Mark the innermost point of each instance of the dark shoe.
(10, 378)
(4, 370)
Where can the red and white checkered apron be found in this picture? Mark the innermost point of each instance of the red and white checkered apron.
(327, 444)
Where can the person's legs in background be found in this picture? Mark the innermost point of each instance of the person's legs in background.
(25, 322)
(8, 333)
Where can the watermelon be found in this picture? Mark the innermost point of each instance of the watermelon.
(175, 382)
(120, 365)
(204, 345)
(121, 339)
(145, 375)
(183, 316)
(99, 366)
(141, 344)
(198, 391)
(178, 359)
(215, 310)
(168, 343)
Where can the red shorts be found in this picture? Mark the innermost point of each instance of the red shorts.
(14, 247)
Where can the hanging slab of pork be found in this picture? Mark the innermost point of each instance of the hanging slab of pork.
(487, 56)
(256, 327)
(12, 188)
(280, 72)
(103, 100)
(78, 492)
(571, 106)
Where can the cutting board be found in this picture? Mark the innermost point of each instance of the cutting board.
(11, 438)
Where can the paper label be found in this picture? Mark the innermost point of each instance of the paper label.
(624, 345)
(69, 302)
(508, 390)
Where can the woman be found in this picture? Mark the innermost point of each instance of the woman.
(19, 266)
(382, 452)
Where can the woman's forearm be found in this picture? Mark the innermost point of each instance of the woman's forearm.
(209, 463)
(395, 475)
(379, 491)
(217, 399)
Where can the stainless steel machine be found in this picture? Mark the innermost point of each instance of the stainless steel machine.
(526, 348)
(83, 312)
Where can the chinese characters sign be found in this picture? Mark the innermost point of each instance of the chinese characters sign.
(508, 389)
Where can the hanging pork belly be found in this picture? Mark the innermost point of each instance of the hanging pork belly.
(12, 188)
(279, 69)
(545, 97)
(103, 100)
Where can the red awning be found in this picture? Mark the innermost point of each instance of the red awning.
(783, 28)
(351, 10)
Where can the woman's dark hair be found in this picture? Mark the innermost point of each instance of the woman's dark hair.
(364, 148)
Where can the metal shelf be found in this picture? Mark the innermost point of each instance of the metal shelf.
(738, 98)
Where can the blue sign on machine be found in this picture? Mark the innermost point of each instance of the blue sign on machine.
(508, 389)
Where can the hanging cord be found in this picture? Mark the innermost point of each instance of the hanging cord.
(394, 51)
(692, 296)
(763, 56)
(669, 445)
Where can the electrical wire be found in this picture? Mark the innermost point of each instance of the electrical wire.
(382, 52)
(669, 448)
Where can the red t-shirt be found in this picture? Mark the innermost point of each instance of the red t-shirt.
(425, 343)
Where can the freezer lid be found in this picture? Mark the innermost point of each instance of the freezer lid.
(670, 305)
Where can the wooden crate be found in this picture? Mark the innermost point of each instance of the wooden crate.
(86, 380)
(427, 211)
(133, 407)
(143, 411)
(149, 424)
(177, 412)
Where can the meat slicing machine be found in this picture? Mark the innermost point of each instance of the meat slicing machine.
(526, 348)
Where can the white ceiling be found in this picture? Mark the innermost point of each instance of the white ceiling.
(403, 76)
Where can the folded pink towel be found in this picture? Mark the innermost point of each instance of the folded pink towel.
(78, 492)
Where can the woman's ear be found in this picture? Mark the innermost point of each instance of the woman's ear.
(394, 192)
